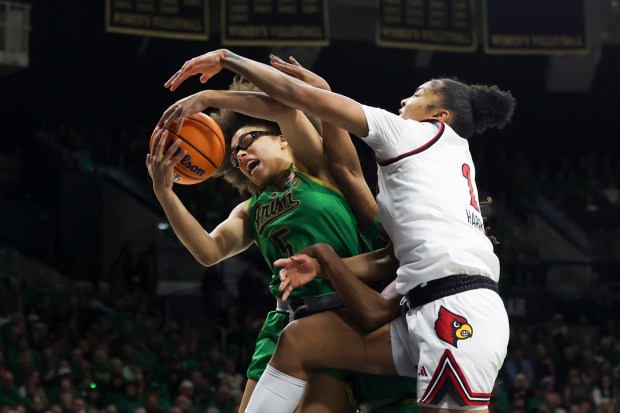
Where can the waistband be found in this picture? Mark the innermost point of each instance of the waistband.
(298, 307)
(443, 287)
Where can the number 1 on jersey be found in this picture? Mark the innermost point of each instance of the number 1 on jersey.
(466, 169)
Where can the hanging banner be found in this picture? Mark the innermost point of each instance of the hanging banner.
(446, 25)
(275, 23)
(534, 27)
(175, 19)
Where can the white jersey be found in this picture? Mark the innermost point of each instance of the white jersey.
(428, 200)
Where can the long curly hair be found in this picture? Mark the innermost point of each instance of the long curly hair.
(230, 122)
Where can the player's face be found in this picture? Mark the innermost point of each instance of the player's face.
(259, 153)
(420, 105)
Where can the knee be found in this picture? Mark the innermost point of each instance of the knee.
(292, 336)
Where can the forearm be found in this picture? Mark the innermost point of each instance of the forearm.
(189, 231)
(369, 308)
(375, 266)
(345, 167)
(332, 107)
(255, 104)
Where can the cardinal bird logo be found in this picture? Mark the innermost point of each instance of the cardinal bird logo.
(451, 327)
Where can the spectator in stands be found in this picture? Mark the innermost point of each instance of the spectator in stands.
(552, 404)
(605, 389)
(9, 392)
(518, 364)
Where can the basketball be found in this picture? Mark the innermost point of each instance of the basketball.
(203, 140)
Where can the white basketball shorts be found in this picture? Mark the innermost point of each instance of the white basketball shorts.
(454, 346)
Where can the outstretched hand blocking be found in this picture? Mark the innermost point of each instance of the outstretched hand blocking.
(298, 270)
(175, 115)
(206, 65)
(295, 69)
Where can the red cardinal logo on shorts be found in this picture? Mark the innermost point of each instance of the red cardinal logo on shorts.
(451, 327)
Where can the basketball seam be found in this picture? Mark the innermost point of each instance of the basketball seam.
(212, 130)
(197, 150)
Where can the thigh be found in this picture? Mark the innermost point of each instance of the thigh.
(326, 394)
(332, 339)
(247, 393)
(461, 342)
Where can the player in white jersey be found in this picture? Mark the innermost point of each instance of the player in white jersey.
(453, 332)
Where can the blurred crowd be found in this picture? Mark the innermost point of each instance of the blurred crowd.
(75, 347)
(81, 347)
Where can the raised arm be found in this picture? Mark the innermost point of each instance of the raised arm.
(337, 109)
(232, 236)
(342, 159)
(302, 137)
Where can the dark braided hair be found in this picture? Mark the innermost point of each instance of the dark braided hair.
(473, 108)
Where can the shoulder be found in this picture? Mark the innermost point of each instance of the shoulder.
(242, 210)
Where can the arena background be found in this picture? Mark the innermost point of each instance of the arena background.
(80, 223)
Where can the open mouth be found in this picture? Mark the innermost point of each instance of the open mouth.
(251, 165)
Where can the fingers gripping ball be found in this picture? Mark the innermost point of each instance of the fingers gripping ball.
(203, 140)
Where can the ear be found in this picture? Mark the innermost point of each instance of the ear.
(441, 114)
(283, 141)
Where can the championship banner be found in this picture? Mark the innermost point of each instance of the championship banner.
(275, 23)
(175, 19)
(444, 25)
(534, 27)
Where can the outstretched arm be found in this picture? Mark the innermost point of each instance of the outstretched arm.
(342, 159)
(337, 109)
(373, 267)
(304, 140)
(229, 238)
(369, 308)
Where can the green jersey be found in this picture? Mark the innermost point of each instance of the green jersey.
(304, 211)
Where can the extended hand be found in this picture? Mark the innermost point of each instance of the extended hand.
(175, 115)
(297, 70)
(160, 165)
(298, 270)
(207, 65)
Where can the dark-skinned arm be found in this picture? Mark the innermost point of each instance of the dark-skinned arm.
(369, 308)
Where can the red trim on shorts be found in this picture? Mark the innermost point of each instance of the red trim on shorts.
(449, 378)
(422, 148)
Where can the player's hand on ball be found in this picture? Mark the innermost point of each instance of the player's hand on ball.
(174, 116)
(298, 270)
(295, 69)
(161, 161)
(207, 65)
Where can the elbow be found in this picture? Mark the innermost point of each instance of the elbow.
(370, 324)
(206, 260)
(370, 320)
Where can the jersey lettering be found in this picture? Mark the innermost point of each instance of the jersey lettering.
(275, 208)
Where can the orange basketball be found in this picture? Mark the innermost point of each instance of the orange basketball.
(203, 140)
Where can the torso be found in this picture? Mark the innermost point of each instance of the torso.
(428, 201)
(307, 211)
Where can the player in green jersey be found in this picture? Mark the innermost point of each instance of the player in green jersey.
(288, 176)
